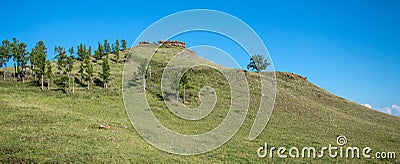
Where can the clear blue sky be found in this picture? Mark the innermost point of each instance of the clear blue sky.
(350, 48)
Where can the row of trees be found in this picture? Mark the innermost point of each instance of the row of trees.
(18, 53)
(103, 50)
(41, 68)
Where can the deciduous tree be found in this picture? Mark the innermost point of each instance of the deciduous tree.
(257, 63)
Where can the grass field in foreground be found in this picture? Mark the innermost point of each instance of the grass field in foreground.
(50, 126)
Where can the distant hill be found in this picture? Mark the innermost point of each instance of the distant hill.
(50, 126)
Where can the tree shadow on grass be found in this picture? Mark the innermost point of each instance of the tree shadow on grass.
(79, 82)
(97, 82)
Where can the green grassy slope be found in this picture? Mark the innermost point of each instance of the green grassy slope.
(43, 126)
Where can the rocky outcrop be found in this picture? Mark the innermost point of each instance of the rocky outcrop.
(144, 43)
(172, 43)
(164, 43)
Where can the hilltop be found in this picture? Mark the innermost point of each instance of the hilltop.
(42, 126)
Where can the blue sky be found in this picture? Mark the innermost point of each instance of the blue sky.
(350, 48)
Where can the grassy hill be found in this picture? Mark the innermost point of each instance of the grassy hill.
(51, 126)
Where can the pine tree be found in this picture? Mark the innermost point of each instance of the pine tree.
(38, 59)
(105, 75)
(113, 48)
(62, 65)
(61, 57)
(86, 71)
(82, 72)
(89, 52)
(142, 72)
(81, 53)
(68, 70)
(99, 52)
(89, 72)
(123, 41)
(71, 51)
(70, 65)
(117, 46)
(84, 50)
(22, 61)
(176, 88)
(107, 48)
(5, 51)
(184, 82)
(96, 55)
(117, 50)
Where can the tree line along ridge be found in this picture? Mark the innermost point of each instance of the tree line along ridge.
(35, 65)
